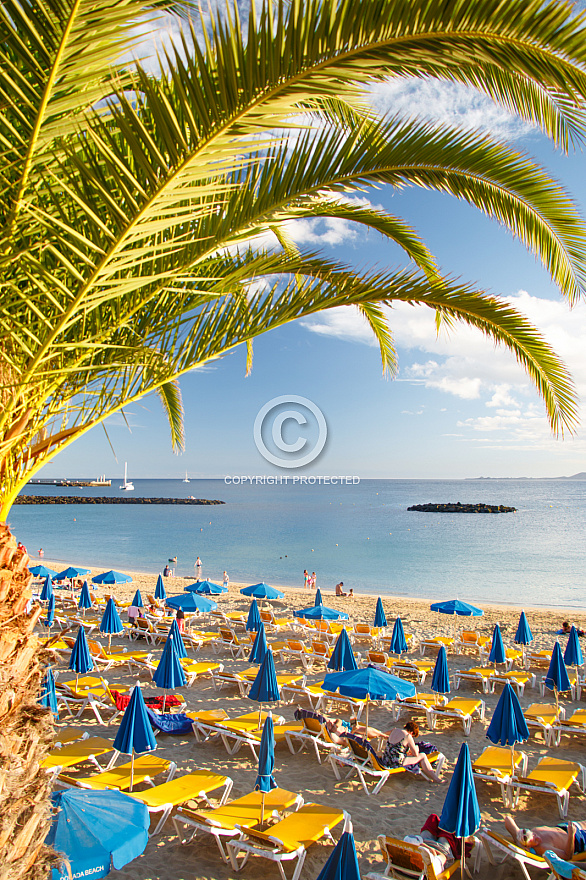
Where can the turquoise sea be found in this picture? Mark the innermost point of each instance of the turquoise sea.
(360, 534)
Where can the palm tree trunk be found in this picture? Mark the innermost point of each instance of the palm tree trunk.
(25, 727)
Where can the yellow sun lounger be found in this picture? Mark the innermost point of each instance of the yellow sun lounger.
(193, 670)
(517, 678)
(313, 733)
(77, 752)
(64, 735)
(497, 764)
(235, 734)
(291, 693)
(419, 668)
(289, 839)
(209, 724)
(365, 763)
(551, 776)
(416, 705)
(479, 675)
(146, 767)
(198, 784)
(457, 709)
(575, 685)
(576, 723)
(225, 822)
(542, 717)
(435, 643)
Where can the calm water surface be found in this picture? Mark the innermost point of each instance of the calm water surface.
(362, 535)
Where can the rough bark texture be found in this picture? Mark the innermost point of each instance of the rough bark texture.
(25, 727)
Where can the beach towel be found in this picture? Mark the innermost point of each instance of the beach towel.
(165, 722)
(122, 701)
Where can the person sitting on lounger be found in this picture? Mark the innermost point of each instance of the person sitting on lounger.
(566, 840)
(401, 750)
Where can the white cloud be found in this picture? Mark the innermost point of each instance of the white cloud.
(466, 365)
(449, 103)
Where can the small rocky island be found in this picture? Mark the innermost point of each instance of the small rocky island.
(458, 507)
(114, 499)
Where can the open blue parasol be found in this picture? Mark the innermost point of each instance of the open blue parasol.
(112, 577)
(96, 831)
(321, 612)
(262, 591)
(206, 588)
(342, 658)
(71, 573)
(41, 571)
(191, 602)
(369, 683)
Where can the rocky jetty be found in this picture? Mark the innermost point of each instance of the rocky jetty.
(89, 499)
(458, 507)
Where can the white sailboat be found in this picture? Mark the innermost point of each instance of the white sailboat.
(186, 480)
(127, 486)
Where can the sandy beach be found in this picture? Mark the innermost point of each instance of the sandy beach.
(404, 802)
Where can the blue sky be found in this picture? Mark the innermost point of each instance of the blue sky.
(458, 408)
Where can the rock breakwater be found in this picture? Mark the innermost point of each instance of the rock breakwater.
(458, 507)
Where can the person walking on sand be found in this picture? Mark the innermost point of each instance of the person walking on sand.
(197, 565)
(226, 579)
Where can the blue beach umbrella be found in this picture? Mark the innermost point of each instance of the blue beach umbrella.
(41, 571)
(321, 612)
(47, 590)
(135, 734)
(206, 588)
(169, 673)
(96, 831)
(497, 648)
(343, 861)
(112, 577)
(259, 648)
(253, 620)
(380, 619)
(191, 602)
(80, 660)
(368, 683)
(318, 599)
(110, 623)
(507, 725)
(262, 591)
(50, 611)
(265, 687)
(440, 680)
(160, 591)
(573, 653)
(265, 781)
(461, 814)
(48, 696)
(178, 642)
(85, 600)
(523, 636)
(72, 572)
(342, 658)
(398, 643)
(557, 679)
(137, 600)
(456, 606)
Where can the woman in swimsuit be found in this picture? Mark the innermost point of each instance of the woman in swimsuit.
(401, 750)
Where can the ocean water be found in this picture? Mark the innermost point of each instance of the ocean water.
(360, 534)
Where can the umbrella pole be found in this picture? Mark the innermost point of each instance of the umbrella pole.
(109, 642)
(131, 770)
(259, 716)
(463, 858)
(557, 704)
(262, 809)
(164, 699)
(367, 702)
